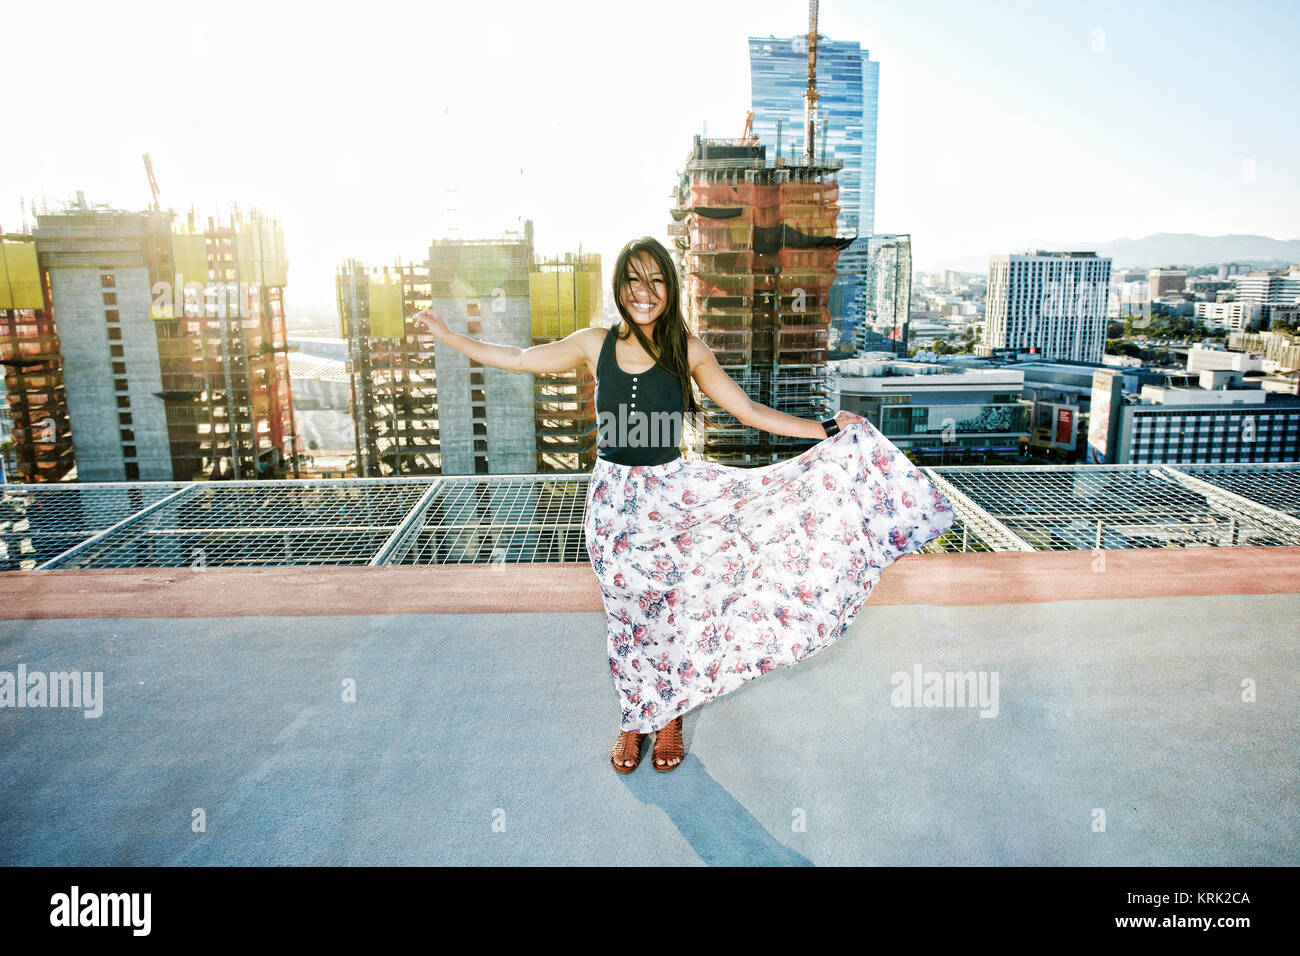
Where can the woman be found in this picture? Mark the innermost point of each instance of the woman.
(712, 574)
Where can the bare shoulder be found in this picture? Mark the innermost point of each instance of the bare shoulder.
(696, 351)
(591, 339)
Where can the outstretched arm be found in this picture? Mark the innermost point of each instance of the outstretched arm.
(549, 359)
(722, 388)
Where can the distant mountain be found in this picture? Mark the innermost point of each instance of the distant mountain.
(1187, 249)
(1166, 249)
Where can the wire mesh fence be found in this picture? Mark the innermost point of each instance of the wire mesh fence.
(527, 519)
(40, 522)
(225, 524)
(501, 520)
(1085, 507)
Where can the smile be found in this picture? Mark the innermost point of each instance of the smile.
(644, 308)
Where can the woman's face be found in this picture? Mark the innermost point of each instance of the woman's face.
(645, 301)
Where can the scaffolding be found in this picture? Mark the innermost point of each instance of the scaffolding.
(480, 268)
(391, 368)
(565, 296)
(759, 251)
(219, 332)
(33, 365)
(224, 358)
(405, 418)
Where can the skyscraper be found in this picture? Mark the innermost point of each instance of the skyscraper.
(1050, 302)
(847, 84)
(887, 298)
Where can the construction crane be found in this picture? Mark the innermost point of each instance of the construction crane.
(749, 126)
(153, 183)
(810, 94)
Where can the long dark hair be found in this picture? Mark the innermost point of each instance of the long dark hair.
(669, 349)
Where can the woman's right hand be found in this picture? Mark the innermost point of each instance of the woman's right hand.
(431, 321)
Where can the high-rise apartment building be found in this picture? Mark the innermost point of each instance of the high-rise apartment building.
(848, 82)
(1051, 302)
(887, 299)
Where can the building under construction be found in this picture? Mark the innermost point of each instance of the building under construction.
(390, 368)
(564, 296)
(33, 365)
(422, 407)
(140, 350)
(759, 250)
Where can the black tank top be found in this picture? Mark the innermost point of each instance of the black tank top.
(638, 417)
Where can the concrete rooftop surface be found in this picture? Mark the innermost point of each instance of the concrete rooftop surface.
(1146, 713)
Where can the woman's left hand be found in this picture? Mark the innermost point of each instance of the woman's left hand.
(427, 320)
(845, 418)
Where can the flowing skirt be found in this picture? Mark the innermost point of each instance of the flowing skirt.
(714, 574)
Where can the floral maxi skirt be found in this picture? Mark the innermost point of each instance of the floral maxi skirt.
(714, 574)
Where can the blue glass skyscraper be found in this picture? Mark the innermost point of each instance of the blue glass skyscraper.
(847, 84)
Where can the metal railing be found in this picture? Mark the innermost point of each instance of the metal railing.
(516, 519)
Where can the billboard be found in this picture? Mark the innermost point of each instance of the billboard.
(1105, 386)
(1064, 434)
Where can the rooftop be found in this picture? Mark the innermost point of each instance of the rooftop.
(1153, 681)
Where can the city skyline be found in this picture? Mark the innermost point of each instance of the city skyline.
(1001, 126)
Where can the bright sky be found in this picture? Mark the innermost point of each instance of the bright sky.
(1003, 125)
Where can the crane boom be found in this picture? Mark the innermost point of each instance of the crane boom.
(810, 94)
(153, 183)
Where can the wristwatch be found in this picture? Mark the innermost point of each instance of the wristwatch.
(831, 426)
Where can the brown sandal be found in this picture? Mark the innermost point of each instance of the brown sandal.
(627, 747)
(671, 739)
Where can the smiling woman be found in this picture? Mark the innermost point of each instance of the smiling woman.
(648, 295)
(713, 574)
